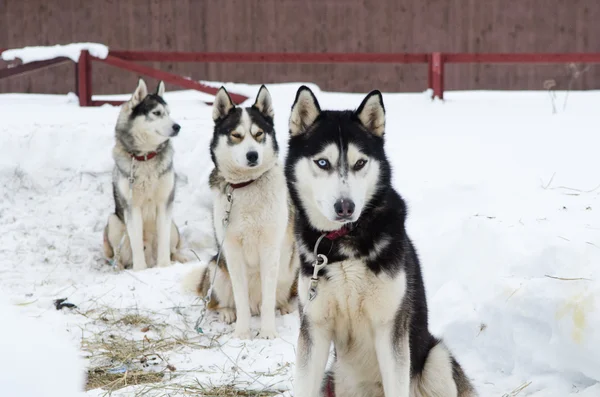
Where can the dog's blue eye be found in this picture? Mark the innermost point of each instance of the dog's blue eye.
(323, 164)
(156, 113)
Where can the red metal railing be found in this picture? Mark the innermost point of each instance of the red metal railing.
(439, 60)
(126, 60)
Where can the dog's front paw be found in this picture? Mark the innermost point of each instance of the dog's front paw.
(286, 309)
(164, 263)
(227, 315)
(268, 334)
(242, 334)
(139, 266)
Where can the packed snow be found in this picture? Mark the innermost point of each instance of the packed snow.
(43, 53)
(504, 211)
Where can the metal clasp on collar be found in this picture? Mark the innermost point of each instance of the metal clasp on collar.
(319, 263)
(229, 195)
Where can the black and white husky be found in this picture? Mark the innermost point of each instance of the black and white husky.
(253, 218)
(141, 231)
(367, 295)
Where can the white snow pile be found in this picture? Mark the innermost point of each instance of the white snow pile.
(504, 203)
(37, 360)
(42, 53)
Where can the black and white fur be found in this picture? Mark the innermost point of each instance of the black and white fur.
(259, 263)
(141, 231)
(370, 299)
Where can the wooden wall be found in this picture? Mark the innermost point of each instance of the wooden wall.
(312, 26)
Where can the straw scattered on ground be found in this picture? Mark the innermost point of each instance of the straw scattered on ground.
(117, 358)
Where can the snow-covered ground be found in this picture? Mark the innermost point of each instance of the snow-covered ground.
(504, 210)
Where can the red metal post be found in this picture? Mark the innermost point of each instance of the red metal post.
(84, 79)
(437, 74)
(429, 72)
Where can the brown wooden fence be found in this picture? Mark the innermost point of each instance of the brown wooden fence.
(352, 26)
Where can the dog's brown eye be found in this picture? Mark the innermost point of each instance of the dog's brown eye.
(359, 165)
(156, 113)
(236, 135)
(259, 133)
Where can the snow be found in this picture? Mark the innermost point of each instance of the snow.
(42, 53)
(504, 211)
(35, 363)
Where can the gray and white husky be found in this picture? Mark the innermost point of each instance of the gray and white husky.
(141, 231)
(367, 295)
(258, 268)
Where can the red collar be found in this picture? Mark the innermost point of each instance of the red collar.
(240, 185)
(338, 233)
(147, 156)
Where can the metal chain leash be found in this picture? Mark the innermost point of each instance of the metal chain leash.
(207, 297)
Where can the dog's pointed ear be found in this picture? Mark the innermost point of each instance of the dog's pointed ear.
(305, 111)
(223, 105)
(139, 94)
(160, 89)
(371, 113)
(264, 103)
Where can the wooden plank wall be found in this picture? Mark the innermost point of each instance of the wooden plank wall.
(312, 26)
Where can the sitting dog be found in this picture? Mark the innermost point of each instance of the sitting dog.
(141, 231)
(252, 216)
(360, 283)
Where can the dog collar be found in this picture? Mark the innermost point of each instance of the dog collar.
(338, 233)
(147, 156)
(240, 185)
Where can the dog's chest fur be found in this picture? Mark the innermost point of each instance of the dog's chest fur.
(351, 302)
(352, 297)
(259, 210)
(154, 185)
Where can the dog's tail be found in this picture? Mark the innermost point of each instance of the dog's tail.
(197, 281)
(443, 374)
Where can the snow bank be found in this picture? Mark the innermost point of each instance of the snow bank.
(504, 211)
(37, 360)
(72, 51)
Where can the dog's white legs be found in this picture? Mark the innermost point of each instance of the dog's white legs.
(394, 361)
(135, 230)
(311, 359)
(269, 271)
(163, 231)
(239, 283)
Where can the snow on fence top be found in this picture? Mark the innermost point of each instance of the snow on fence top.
(40, 53)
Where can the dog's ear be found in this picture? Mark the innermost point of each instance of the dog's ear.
(305, 111)
(160, 89)
(223, 105)
(139, 94)
(371, 113)
(264, 103)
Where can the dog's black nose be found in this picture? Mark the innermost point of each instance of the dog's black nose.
(176, 128)
(252, 157)
(344, 208)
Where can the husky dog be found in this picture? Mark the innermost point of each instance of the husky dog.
(141, 231)
(253, 218)
(367, 294)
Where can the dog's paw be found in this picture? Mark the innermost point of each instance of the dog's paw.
(268, 334)
(164, 263)
(139, 266)
(287, 309)
(227, 315)
(242, 334)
